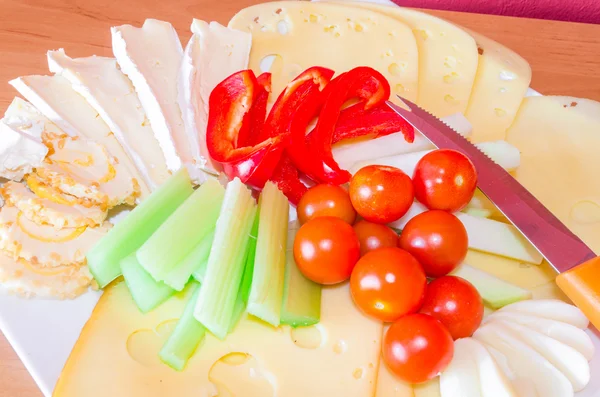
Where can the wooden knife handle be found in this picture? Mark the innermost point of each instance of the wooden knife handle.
(582, 285)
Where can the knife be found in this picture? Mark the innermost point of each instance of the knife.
(577, 265)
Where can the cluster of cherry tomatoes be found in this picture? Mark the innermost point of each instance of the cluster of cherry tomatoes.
(388, 273)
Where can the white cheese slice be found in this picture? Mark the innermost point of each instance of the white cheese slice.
(461, 377)
(21, 148)
(501, 82)
(19, 153)
(526, 365)
(112, 95)
(566, 359)
(213, 53)
(296, 35)
(45, 245)
(447, 58)
(26, 118)
(150, 56)
(552, 309)
(492, 381)
(54, 97)
(566, 333)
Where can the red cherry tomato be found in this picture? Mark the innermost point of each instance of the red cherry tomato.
(437, 239)
(417, 347)
(326, 250)
(455, 303)
(381, 194)
(326, 200)
(374, 235)
(445, 180)
(388, 283)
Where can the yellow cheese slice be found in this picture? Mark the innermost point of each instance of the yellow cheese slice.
(559, 160)
(447, 58)
(295, 35)
(117, 354)
(501, 82)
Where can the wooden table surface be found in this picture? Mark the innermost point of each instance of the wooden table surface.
(565, 58)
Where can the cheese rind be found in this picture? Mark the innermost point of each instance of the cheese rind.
(151, 56)
(501, 82)
(111, 93)
(448, 58)
(347, 37)
(213, 53)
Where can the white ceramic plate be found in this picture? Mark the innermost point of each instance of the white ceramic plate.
(43, 332)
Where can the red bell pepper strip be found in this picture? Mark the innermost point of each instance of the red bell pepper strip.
(258, 113)
(297, 95)
(355, 122)
(294, 109)
(287, 180)
(362, 82)
(256, 169)
(230, 105)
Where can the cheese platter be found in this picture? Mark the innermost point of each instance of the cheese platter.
(214, 279)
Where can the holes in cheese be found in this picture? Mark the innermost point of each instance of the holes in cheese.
(447, 58)
(346, 37)
(500, 84)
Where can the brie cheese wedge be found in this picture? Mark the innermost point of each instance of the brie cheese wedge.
(54, 97)
(150, 56)
(213, 53)
(112, 95)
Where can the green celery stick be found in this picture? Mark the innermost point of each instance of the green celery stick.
(301, 296)
(266, 293)
(182, 231)
(244, 292)
(186, 336)
(146, 292)
(133, 231)
(201, 271)
(225, 267)
(178, 277)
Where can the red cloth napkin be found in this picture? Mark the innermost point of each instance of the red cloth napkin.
(563, 10)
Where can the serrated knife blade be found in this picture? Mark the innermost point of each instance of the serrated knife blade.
(578, 264)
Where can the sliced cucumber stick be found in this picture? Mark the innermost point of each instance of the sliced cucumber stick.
(266, 293)
(180, 274)
(186, 336)
(146, 292)
(225, 267)
(496, 293)
(182, 231)
(301, 296)
(133, 231)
